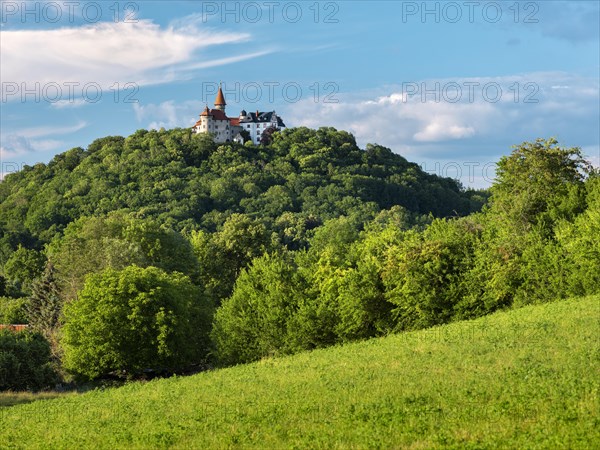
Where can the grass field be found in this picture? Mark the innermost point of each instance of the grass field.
(527, 378)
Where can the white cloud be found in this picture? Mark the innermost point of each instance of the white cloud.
(14, 146)
(64, 104)
(426, 126)
(25, 141)
(108, 52)
(168, 114)
(35, 132)
(228, 60)
(441, 130)
(47, 145)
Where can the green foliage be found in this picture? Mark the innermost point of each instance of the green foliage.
(123, 201)
(538, 184)
(524, 255)
(23, 266)
(45, 304)
(13, 310)
(424, 274)
(223, 254)
(253, 322)
(135, 319)
(25, 362)
(580, 244)
(538, 240)
(91, 244)
(292, 301)
(364, 310)
(186, 182)
(305, 241)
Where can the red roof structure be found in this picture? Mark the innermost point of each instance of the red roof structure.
(220, 100)
(14, 327)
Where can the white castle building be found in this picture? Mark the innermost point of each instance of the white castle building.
(228, 129)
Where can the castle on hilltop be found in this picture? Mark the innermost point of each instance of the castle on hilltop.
(228, 129)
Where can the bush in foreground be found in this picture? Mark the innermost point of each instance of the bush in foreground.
(135, 319)
(25, 362)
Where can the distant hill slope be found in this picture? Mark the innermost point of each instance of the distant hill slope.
(187, 181)
(526, 378)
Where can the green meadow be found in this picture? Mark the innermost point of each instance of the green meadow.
(525, 378)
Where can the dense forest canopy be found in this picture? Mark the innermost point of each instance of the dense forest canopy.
(187, 182)
(273, 249)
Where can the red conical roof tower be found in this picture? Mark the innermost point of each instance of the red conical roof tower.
(220, 100)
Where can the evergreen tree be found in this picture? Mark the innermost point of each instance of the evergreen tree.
(45, 303)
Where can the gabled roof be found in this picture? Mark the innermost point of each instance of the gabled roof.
(261, 117)
(217, 114)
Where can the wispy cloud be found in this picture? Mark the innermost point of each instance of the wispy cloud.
(228, 60)
(35, 132)
(107, 53)
(26, 141)
(168, 114)
(13, 146)
(64, 104)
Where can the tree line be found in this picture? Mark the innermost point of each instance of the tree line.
(165, 251)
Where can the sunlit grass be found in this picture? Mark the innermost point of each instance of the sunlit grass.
(526, 378)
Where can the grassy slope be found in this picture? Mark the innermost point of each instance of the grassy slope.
(523, 379)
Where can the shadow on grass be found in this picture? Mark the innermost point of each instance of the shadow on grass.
(17, 398)
(12, 398)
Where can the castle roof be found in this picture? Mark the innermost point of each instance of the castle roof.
(220, 100)
(260, 117)
(216, 114)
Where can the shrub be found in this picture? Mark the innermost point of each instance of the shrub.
(253, 322)
(13, 310)
(135, 319)
(25, 362)
(581, 241)
(424, 274)
(364, 311)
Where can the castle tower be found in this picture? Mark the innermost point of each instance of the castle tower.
(220, 100)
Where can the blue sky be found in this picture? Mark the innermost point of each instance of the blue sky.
(449, 85)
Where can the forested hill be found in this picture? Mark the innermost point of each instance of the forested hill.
(186, 181)
(164, 251)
